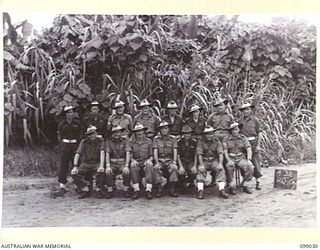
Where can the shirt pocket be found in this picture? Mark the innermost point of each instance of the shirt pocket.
(169, 144)
(251, 128)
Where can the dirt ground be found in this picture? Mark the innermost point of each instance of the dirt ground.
(26, 203)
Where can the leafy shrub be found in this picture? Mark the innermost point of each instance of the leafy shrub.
(186, 58)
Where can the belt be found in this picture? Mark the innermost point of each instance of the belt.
(99, 136)
(222, 129)
(235, 154)
(69, 140)
(165, 159)
(115, 160)
(251, 138)
(208, 158)
(186, 159)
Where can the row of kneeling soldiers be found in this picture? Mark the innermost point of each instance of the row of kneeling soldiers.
(184, 159)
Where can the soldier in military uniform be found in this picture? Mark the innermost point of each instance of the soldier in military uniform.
(250, 127)
(117, 161)
(175, 120)
(94, 118)
(120, 118)
(165, 157)
(150, 134)
(146, 117)
(141, 161)
(69, 131)
(237, 151)
(220, 120)
(197, 122)
(210, 158)
(91, 152)
(187, 159)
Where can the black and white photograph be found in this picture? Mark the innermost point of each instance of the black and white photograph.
(159, 120)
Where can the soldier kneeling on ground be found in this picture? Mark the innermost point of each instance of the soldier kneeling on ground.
(91, 153)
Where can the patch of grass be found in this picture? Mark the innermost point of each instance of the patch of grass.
(35, 161)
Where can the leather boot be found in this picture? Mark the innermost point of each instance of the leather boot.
(85, 194)
(232, 191)
(223, 194)
(99, 194)
(109, 195)
(59, 193)
(158, 191)
(149, 195)
(247, 190)
(200, 194)
(172, 190)
(258, 186)
(135, 195)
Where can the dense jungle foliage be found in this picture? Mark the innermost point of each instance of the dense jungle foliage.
(191, 59)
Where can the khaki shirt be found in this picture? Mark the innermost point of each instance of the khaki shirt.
(250, 126)
(165, 146)
(89, 150)
(197, 127)
(236, 144)
(99, 121)
(125, 121)
(69, 130)
(187, 149)
(117, 148)
(220, 121)
(209, 148)
(151, 122)
(141, 150)
(176, 125)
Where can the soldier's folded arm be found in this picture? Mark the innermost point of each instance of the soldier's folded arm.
(150, 160)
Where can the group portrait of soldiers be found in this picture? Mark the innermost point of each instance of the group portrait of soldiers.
(151, 154)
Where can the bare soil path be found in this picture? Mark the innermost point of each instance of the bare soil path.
(26, 203)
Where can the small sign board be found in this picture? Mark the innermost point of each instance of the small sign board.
(285, 179)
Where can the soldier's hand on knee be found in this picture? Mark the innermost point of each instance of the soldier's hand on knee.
(173, 166)
(126, 170)
(157, 167)
(193, 170)
(74, 170)
(148, 162)
(181, 171)
(202, 168)
(108, 170)
(230, 164)
(250, 164)
(100, 170)
(220, 166)
(134, 163)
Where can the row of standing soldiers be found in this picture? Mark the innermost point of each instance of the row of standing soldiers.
(160, 150)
